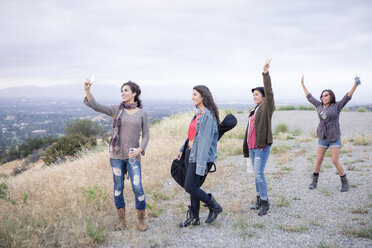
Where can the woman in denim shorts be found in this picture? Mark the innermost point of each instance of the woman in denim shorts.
(328, 130)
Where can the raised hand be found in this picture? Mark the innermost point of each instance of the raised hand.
(351, 92)
(266, 66)
(87, 84)
(303, 85)
(302, 80)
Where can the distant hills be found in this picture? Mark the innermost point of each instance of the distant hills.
(109, 93)
(104, 92)
(67, 91)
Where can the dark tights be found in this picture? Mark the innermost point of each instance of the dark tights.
(192, 185)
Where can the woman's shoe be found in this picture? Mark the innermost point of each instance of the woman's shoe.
(345, 184)
(264, 207)
(122, 221)
(141, 215)
(257, 205)
(191, 218)
(214, 209)
(314, 183)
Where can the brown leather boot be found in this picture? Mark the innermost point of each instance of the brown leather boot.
(122, 221)
(141, 215)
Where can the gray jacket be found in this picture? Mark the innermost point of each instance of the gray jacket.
(329, 127)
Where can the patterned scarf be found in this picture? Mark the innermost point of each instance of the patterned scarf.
(115, 141)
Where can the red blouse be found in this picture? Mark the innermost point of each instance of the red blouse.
(192, 128)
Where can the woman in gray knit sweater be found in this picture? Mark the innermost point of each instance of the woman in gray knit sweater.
(129, 120)
(328, 130)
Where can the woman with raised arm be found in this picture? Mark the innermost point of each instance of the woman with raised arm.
(328, 130)
(258, 137)
(129, 120)
(201, 149)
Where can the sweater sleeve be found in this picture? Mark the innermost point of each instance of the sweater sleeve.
(269, 95)
(343, 102)
(145, 132)
(104, 109)
(313, 101)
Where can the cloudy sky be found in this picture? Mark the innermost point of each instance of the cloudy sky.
(168, 46)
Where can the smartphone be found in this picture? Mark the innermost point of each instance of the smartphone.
(357, 80)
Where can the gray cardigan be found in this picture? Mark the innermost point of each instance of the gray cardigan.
(130, 129)
(329, 128)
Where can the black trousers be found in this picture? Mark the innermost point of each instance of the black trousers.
(192, 185)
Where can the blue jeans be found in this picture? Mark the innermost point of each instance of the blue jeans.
(119, 166)
(259, 158)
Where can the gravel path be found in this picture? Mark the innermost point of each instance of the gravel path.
(298, 217)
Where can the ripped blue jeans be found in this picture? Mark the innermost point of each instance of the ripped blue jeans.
(119, 166)
(259, 158)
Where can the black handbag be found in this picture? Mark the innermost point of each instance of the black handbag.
(178, 169)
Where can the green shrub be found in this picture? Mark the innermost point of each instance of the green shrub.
(363, 232)
(296, 131)
(282, 202)
(281, 128)
(95, 196)
(30, 146)
(3, 191)
(286, 107)
(362, 109)
(84, 127)
(280, 149)
(11, 155)
(306, 107)
(35, 144)
(68, 146)
(99, 234)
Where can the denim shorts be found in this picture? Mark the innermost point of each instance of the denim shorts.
(325, 144)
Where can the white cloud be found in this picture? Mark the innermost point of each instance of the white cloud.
(218, 43)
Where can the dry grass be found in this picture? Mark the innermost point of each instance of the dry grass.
(71, 204)
(303, 138)
(284, 158)
(347, 148)
(282, 136)
(362, 140)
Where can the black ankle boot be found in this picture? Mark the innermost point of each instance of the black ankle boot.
(214, 209)
(257, 205)
(264, 207)
(345, 184)
(314, 184)
(191, 218)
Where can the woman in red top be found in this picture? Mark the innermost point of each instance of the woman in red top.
(201, 149)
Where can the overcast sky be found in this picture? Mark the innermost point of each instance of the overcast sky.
(173, 45)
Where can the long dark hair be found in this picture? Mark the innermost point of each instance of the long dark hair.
(331, 94)
(135, 89)
(208, 101)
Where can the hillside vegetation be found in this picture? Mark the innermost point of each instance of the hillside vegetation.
(71, 204)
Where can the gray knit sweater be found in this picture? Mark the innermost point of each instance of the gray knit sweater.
(329, 128)
(130, 129)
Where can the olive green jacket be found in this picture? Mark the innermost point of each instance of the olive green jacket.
(262, 122)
